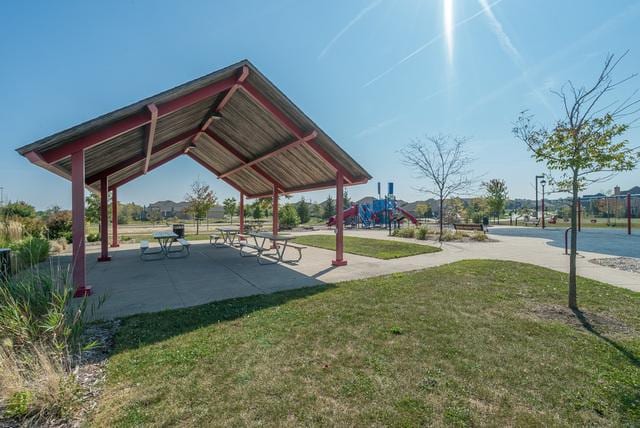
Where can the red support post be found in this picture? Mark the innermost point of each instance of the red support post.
(241, 212)
(104, 221)
(628, 213)
(339, 261)
(274, 210)
(114, 218)
(77, 210)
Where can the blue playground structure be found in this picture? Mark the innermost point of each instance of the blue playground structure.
(382, 212)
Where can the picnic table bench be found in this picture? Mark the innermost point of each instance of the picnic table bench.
(259, 249)
(470, 226)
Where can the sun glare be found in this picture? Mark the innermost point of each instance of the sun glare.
(448, 27)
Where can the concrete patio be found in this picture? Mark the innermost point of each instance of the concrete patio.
(129, 285)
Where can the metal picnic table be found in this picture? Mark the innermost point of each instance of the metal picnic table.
(229, 234)
(264, 246)
(165, 238)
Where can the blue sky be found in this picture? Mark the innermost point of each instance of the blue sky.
(373, 74)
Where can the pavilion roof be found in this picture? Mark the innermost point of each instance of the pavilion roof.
(234, 122)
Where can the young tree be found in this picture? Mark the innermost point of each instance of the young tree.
(497, 196)
(302, 207)
(229, 206)
(200, 200)
(288, 217)
(423, 210)
(256, 211)
(443, 162)
(92, 210)
(585, 145)
(328, 208)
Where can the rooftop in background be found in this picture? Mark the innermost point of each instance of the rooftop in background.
(234, 122)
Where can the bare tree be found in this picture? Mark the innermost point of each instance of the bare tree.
(442, 161)
(585, 146)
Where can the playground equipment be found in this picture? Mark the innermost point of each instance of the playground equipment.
(380, 213)
(614, 211)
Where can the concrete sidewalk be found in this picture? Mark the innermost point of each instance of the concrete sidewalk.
(131, 286)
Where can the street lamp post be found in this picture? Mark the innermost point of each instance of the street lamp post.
(537, 178)
(543, 182)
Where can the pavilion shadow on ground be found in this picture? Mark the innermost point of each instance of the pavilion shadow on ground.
(127, 285)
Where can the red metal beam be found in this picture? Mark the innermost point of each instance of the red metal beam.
(141, 173)
(244, 73)
(310, 188)
(137, 158)
(151, 134)
(292, 127)
(79, 274)
(272, 153)
(208, 167)
(137, 120)
(242, 158)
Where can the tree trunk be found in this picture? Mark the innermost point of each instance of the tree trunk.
(573, 297)
(441, 218)
(197, 227)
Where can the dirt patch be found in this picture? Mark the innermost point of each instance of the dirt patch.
(582, 320)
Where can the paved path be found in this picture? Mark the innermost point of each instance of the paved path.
(515, 248)
(209, 274)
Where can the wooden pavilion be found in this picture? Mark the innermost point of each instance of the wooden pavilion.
(234, 122)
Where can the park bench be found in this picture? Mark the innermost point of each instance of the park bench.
(296, 247)
(470, 226)
(531, 222)
(214, 238)
(183, 251)
(146, 251)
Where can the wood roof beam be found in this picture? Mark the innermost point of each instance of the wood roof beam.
(137, 158)
(244, 73)
(135, 121)
(151, 134)
(271, 153)
(293, 128)
(239, 156)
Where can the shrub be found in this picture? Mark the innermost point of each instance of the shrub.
(408, 232)
(288, 217)
(479, 236)
(59, 225)
(29, 252)
(33, 226)
(450, 235)
(11, 231)
(422, 232)
(93, 237)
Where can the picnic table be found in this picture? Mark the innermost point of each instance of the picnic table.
(265, 245)
(165, 239)
(228, 234)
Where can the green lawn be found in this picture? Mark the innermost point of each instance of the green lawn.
(378, 248)
(462, 344)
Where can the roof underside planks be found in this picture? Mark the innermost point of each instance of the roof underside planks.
(258, 139)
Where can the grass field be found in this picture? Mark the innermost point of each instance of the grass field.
(470, 343)
(378, 248)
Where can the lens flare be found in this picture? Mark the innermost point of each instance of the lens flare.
(448, 27)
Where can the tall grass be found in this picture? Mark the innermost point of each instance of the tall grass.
(29, 252)
(10, 231)
(41, 329)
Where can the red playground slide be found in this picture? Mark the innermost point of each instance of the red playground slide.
(348, 213)
(411, 218)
